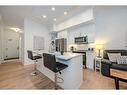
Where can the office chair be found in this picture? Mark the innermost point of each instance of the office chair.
(34, 58)
(49, 61)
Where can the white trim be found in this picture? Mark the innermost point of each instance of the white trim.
(10, 60)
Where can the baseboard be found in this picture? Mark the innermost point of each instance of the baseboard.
(12, 58)
(25, 64)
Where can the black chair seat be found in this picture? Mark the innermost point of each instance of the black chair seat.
(30, 55)
(60, 66)
(36, 57)
(119, 66)
(49, 61)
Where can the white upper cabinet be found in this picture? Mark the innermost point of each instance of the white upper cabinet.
(62, 34)
(83, 30)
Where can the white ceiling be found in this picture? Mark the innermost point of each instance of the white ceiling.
(13, 16)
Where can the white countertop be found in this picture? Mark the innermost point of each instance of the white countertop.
(67, 56)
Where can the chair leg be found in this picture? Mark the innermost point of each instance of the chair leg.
(56, 81)
(117, 83)
(34, 73)
(35, 65)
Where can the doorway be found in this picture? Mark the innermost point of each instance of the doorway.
(11, 45)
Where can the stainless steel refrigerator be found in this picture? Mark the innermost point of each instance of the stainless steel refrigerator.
(61, 44)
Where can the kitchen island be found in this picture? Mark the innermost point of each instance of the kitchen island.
(72, 75)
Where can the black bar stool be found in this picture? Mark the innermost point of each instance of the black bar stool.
(49, 61)
(30, 56)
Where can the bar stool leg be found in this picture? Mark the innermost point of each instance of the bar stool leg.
(35, 65)
(56, 81)
(34, 73)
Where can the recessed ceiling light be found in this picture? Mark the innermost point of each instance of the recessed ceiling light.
(65, 13)
(53, 9)
(44, 16)
(54, 19)
(15, 29)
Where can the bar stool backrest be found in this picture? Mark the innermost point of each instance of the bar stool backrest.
(30, 54)
(49, 61)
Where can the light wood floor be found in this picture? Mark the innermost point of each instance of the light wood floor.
(13, 75)
(94, 80)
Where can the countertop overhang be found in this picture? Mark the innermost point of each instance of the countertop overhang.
(67, 56)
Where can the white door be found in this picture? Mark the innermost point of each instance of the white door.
(11, 45)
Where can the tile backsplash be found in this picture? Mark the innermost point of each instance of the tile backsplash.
(82, 47)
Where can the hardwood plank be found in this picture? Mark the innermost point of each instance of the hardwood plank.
(94, 80)
(13, 75)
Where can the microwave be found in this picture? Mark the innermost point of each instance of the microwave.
(81, 40)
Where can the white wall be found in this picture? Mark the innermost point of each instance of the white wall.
(31, 29)
(1, 39)
(0, 43)
(85, 16)
(111, 27)
(0, 46)
(21, 45)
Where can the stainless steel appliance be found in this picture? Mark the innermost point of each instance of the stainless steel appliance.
(81, 40)
(61, 44)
